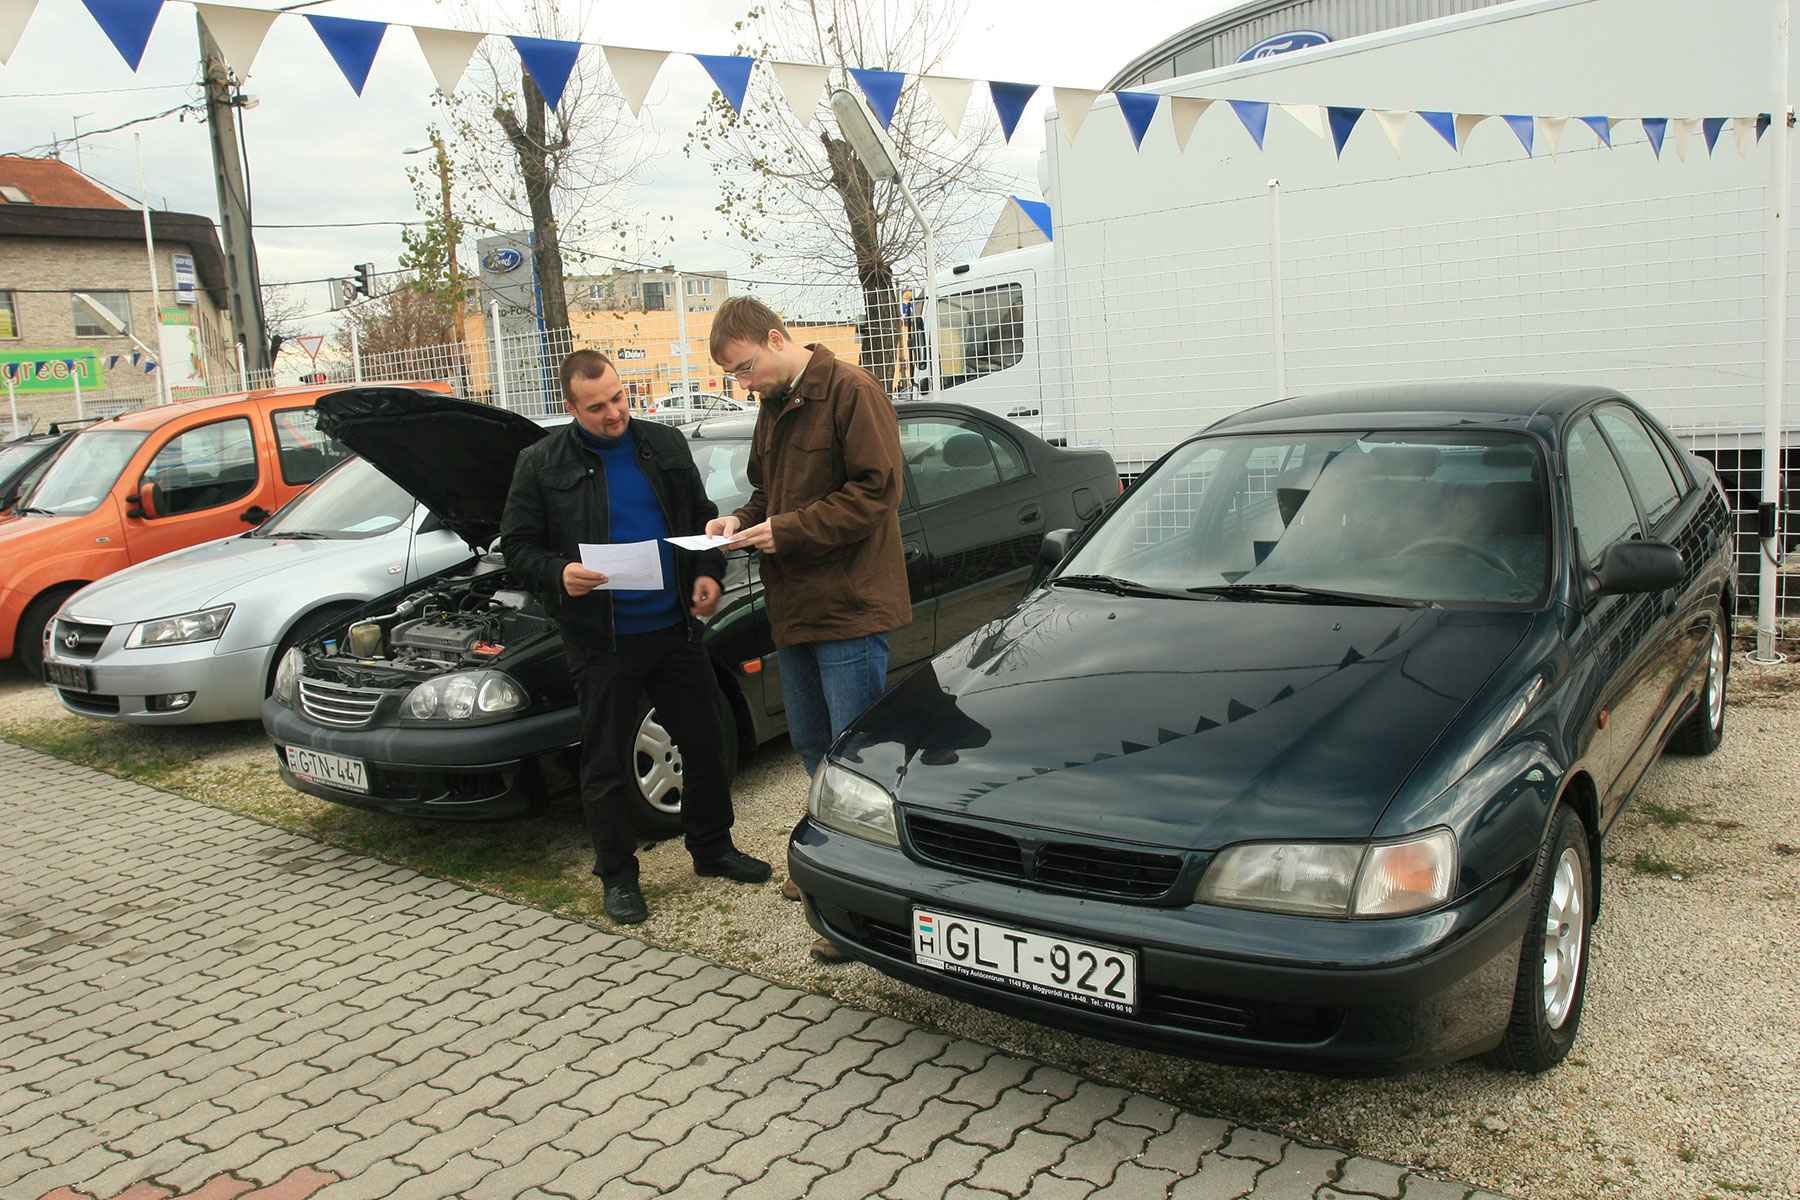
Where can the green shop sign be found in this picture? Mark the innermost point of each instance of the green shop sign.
(51, 370)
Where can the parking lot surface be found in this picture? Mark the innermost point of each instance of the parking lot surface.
(200, 1005)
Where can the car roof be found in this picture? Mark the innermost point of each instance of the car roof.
(155, 416)
(738, 426)
(1517, 404)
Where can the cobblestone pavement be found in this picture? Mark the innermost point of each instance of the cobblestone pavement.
(198, 1005)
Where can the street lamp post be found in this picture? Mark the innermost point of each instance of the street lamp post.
(882, 162)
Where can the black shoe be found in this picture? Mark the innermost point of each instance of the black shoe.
(735, 864)
(625, 904)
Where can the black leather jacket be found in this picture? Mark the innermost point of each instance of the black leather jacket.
(558, 500)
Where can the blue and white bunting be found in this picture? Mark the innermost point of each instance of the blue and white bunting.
(1341, 121)
(1654, 129)
(550, 63)
(1444, 123)
(1524, 128)
(1010, 100)
(1255, 117)
(126, 24)
(882, 89)
(1602, 127)
(351, 43)
(730, 73)
(1138, 109)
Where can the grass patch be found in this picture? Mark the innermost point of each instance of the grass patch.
(1645, 862)
(1672, 815)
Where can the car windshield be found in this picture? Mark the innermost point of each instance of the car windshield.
(84, 473)
(1444, 518)
(722, 465)
(353, 501)
(16, 454)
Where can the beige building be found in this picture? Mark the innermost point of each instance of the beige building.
(63, 234)
(620, 290)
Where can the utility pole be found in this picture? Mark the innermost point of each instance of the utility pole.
(243, 280)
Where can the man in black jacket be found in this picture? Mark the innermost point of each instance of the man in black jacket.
(608, 479)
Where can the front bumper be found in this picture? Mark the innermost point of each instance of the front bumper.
(1369, 997)
(481, 773)
(128, 683)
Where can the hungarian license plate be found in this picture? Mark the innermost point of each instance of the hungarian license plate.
(73, 676)
(1100, 976)
(332, 770)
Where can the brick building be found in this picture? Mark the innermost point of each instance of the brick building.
(63, 233)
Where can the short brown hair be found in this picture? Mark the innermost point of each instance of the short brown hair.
(583, 364)
(742, 317)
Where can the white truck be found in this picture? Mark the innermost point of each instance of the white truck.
(1155, 308)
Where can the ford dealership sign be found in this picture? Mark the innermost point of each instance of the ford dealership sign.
(1281, 43)
(499, 262)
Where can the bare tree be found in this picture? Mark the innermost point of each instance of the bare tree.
(559, 173)
(803, 200)
(398, 317)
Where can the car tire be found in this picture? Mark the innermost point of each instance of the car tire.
(28, 643)
(1553, 961)
(657, 766)
(1704, 729)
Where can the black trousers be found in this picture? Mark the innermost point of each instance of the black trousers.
(675, 674)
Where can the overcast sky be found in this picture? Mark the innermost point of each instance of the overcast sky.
(318, 154)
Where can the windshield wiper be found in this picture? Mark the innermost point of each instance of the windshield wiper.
(37, 512)
(294, 535)
(1296, 594)
(1113, 584)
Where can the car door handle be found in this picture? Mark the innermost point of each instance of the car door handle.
(911, 551)
(1031, 513)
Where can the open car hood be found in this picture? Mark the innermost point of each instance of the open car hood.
(454, 457)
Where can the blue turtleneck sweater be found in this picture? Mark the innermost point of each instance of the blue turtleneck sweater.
(635, 516)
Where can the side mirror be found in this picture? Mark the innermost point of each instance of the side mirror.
(1055, 547)
(145, 501)
(1635, 565)
(256, 514)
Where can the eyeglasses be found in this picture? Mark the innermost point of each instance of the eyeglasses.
(745, 368)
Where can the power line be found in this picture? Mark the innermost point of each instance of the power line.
(339, 224)
(150, 87)
(39, 151)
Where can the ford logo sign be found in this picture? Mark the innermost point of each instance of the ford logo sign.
(499, 262)
(1281, 43)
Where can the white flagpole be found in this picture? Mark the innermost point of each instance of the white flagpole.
(162, 374)
(1775, 338)
(1277, 324)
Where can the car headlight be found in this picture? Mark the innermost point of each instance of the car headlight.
(1334, 879)
(173, 631)
(847, 802)
(463, 696)
(287, 676)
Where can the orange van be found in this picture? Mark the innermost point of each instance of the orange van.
(144, 483)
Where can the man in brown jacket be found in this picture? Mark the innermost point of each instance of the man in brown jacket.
(825, 472)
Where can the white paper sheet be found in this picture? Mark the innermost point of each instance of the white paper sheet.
(698, 541)
(632, 566)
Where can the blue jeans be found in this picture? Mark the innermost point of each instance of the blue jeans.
(825, 685)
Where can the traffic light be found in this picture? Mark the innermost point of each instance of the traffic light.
(365, 278)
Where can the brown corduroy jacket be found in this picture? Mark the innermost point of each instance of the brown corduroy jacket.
(825, 469)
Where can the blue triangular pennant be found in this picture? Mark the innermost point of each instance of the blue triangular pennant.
(1138, 109)
(351, 43)
(1709, 129)
(730, 74)
(1601, 126)
(1444, 123)
(1654, 129)
(550, 63)
(126, 23)
(1255, 116)
(1038, 211)
(1762, 123)
(1010, 100)
(1525, 128)
(883, 90)
(1342, 121)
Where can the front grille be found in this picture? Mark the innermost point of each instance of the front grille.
(89, 701)
(1102, 869)
(77, 639)
(1066, 866)
(336, 704)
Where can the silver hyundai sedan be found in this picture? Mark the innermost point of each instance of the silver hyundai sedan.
(194, 636)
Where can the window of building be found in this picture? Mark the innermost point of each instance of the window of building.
(9, 316)
(13, 195)
(116, 303)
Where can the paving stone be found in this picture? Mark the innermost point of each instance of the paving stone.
(866, 1174)
(1369, 1177)
(832, 1148)
(1302, 1171)
(785, 1180)
(1096, 1157)
(752, 1113)
(517, 1143)
(679, 1121)
(693, 1147)
(1078, 1115)
(1425, 1187)
(983, 1085)
(1049, 1186)
(1181, 1148)
(1245, 1142)
(470, 1133)
(1132, 1181)
(927, 1178)
(362, 1155)
(1219, 1178)
(757, 1150)
(1027, 1152)
(915, 1136)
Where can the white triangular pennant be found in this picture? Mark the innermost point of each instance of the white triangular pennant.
(1552, 129)
(1072, 108)
(239, 33)
(447, 52)
(1743, 131)
(1393, 123)
(634, 71)
(1184, 113)
(1310, 115)
(950, 96)
(1684, 129)
(802, 84)
(1465, 125)
(14, 16)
